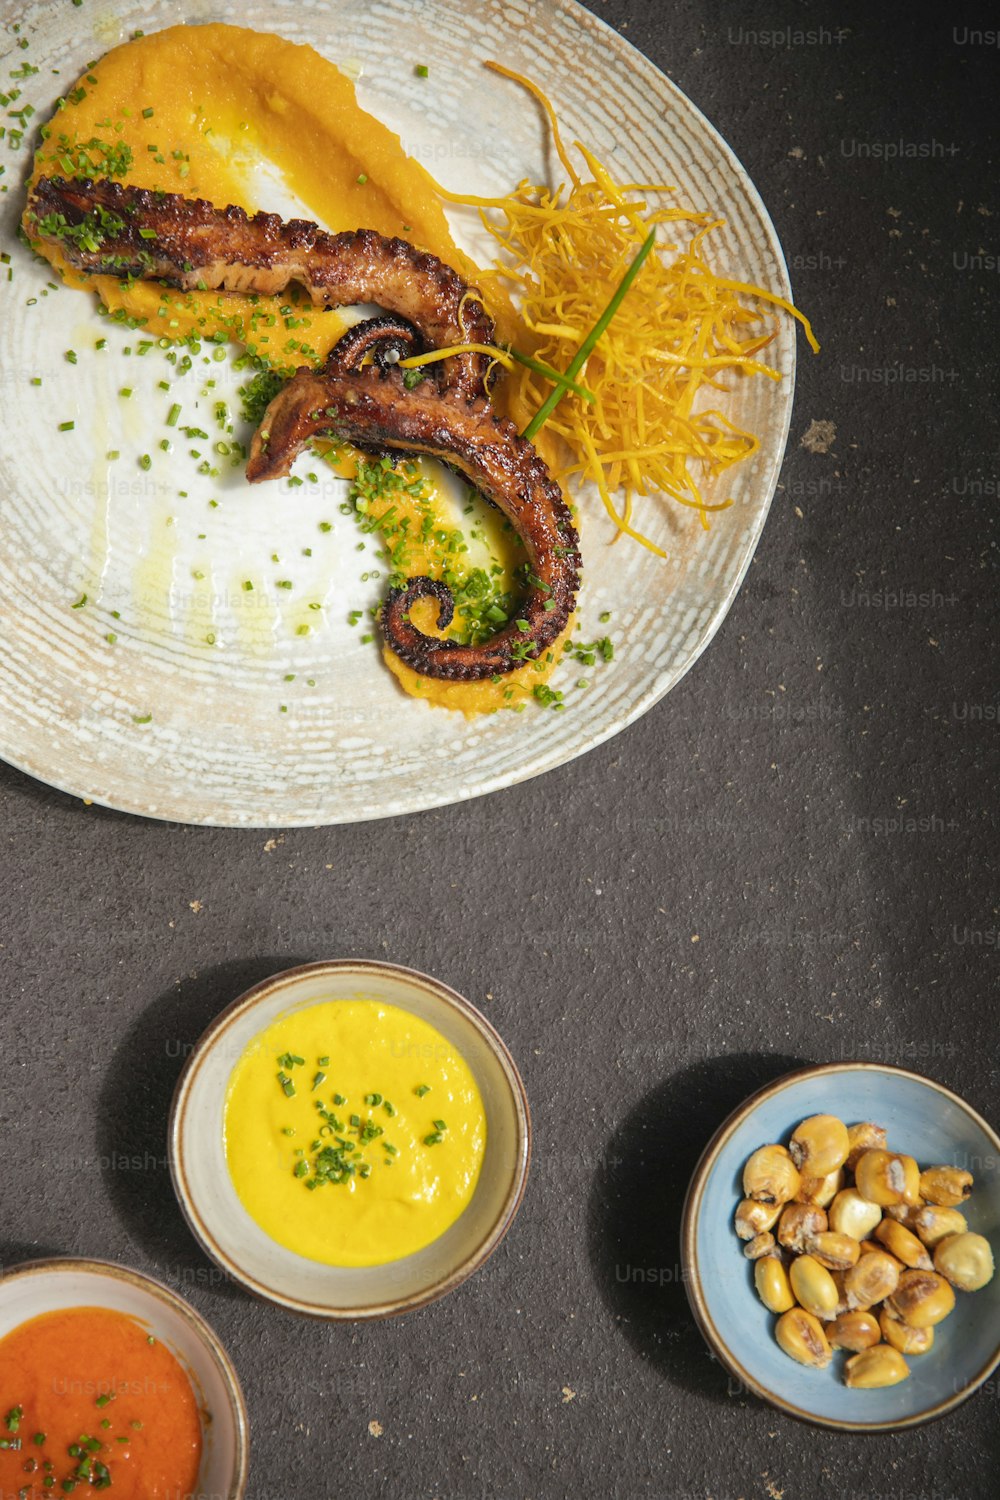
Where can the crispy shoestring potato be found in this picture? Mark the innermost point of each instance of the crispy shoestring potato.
(679, 336)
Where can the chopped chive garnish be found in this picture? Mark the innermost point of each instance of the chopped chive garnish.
(422, 1089)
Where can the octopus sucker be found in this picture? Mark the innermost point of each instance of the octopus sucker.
(192, 245)
(371, 407)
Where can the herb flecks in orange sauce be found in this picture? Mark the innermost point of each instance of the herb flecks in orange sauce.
(92, 1399)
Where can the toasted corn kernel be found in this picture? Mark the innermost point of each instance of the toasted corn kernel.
(814, 1287)
(966, 1260)
(945, 1186)
(753, 1218)
(922, 1298)
(854, 1331)
(819, 1191)
(798, 1221)
(819, 1145)
(842, 1305)
(851, 1214)
(900, 1242)
(882, 1365)
(773, 1288)
(862, 1138)
(838, 1252)
(900, 1212)
(901, 1336)
(875, 1276)
(885, 1178)
(770, 1175)
(802, 1338)
(761, 1244)
(933, 1224)
(911, 1182)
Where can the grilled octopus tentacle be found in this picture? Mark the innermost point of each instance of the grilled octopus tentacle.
(373, 409)
(190, 244)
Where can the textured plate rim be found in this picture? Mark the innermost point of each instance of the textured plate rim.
(286, 979)
(692, 1279)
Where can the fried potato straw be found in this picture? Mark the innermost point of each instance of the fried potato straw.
(679, 332)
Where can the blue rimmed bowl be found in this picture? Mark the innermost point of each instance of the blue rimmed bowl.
(926, 1121)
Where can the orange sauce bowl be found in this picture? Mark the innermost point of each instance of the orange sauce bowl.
(95, 1347)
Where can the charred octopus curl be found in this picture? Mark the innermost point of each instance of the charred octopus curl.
(104, 228)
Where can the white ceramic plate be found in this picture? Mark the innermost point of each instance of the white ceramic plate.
(218, 747)
(45, 1286)
(236, 1241)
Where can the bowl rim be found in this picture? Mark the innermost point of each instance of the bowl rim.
(256, 995)
(692, 1281)
(114, 1271)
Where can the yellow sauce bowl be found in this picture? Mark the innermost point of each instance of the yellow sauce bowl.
(238, 1243)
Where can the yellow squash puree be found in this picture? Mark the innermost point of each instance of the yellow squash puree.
(200, 108)
(214, 101)
(374, 1098)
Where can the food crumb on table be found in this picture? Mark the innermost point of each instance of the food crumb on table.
(375, 1428)
(818, 437)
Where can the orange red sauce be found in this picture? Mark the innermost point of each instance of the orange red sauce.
(100, 1384)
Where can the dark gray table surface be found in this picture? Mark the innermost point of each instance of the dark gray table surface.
(791, 858)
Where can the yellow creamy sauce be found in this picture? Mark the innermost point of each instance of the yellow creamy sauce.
(201, 108)
(422, 1101)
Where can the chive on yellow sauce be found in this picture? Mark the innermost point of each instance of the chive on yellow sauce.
(354, 1132)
